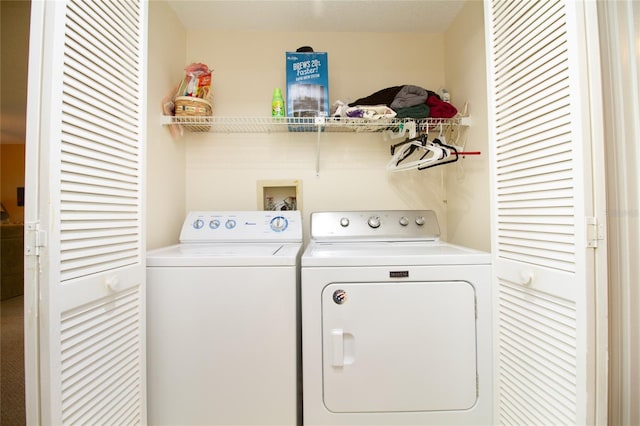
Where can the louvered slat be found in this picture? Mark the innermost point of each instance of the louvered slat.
(80, 157)
(525, 122)
(100, 213)
(81, 178)
(100, 360)
(534, 178)
(537, 347)
(100, 176)
(79, 112)
(106, 141)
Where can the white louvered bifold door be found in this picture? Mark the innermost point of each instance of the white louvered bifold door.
(542, 202)
(89, 114)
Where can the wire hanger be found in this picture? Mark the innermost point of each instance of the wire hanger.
(429, 154)
(451, 155)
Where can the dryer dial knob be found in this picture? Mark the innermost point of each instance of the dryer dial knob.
(344, 222)
(279, 223)
(420, 220)
(374, 222)
(404, 221)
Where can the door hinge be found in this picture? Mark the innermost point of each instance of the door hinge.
(595, 232)
(34, 239)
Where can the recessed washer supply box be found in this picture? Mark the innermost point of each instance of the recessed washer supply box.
(307, 86)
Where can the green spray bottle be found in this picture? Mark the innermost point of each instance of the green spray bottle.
(277, 104)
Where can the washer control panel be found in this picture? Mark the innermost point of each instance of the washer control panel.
(211, 226)
(383, 225)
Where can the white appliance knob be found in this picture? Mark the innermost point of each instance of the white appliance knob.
(404, 221)
(230, 224)
(344, 222)
(420, 220)
(214, 224)
(374, 222)
(279, 223)
(198, 224)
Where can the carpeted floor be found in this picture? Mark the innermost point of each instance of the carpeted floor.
(12, 362)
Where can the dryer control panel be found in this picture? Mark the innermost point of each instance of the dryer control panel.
(242, 226)
(378, 225)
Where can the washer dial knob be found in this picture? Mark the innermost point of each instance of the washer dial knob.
(404, 221)
(279, 223)
(230, 224)
(198, 224)
(420, 220)
(374, 222)
(344, 222)
(214, 224)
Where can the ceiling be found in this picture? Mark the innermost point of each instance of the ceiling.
(318, 15)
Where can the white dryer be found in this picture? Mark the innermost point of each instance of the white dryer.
(222, 321)
(396, 325)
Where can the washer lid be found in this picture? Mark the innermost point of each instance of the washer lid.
(225, 254)
(381, 253)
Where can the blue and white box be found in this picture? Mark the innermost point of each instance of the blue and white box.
(307, 86)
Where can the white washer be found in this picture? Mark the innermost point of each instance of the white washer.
(222, 321)
(396, 325)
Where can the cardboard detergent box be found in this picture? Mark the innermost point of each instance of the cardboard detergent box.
(307, 87)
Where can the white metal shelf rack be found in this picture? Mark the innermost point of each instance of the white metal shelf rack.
(217, 124)
(393, 127)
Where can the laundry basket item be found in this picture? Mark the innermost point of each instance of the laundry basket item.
(193, 107)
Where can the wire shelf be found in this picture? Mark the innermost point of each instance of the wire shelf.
(304, 124)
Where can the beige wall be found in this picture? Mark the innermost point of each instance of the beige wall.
(214, 171)
(12, 168)
(221, 170)
(165, 165)
(468, 190)
(14, 47)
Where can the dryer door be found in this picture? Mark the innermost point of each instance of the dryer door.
(392, 347)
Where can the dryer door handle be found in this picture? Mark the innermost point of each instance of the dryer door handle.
(337, 346)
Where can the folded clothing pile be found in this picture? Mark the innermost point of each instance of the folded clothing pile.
(407, 101)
